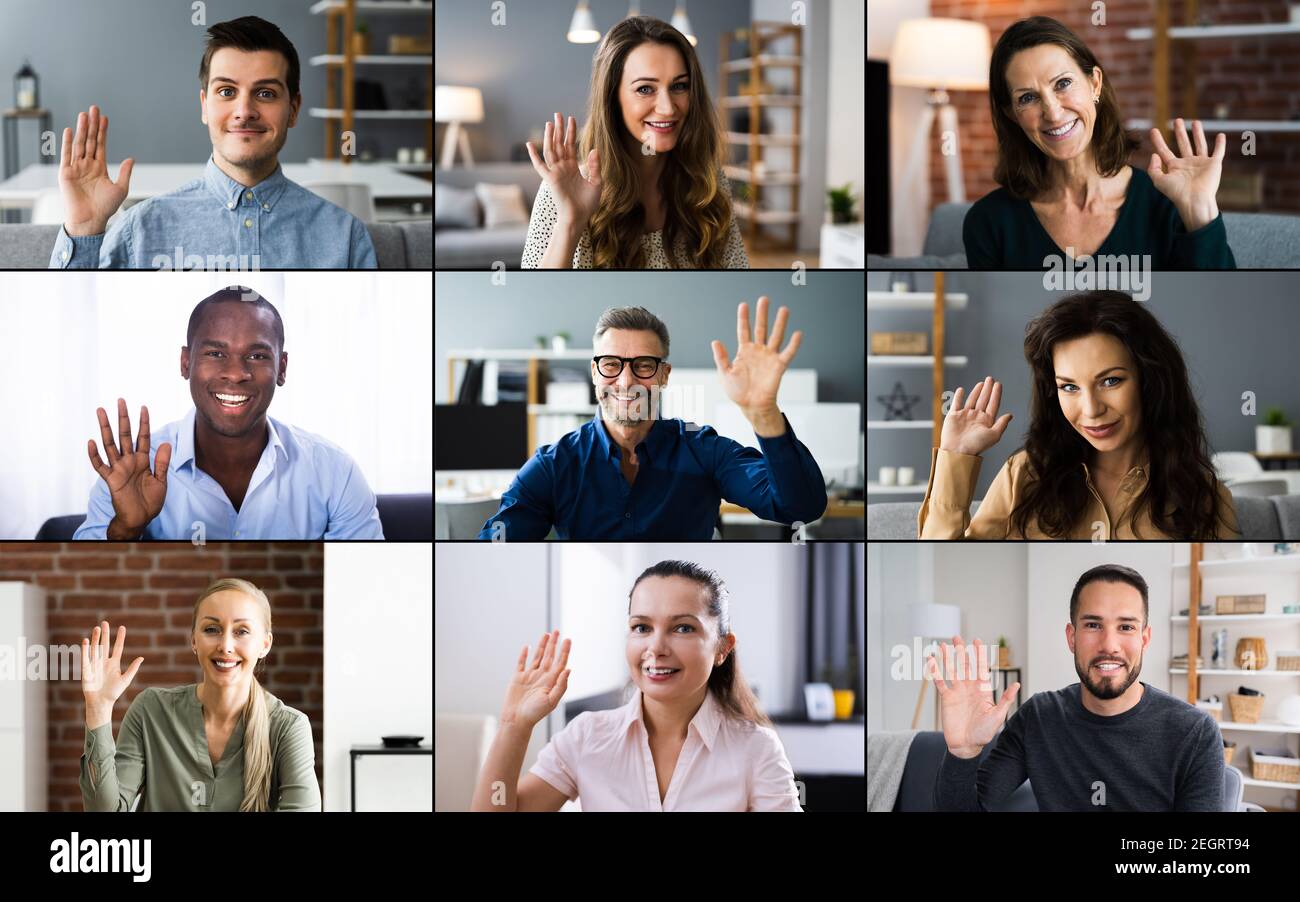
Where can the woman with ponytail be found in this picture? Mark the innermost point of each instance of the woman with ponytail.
(224, 744)
(692, 737)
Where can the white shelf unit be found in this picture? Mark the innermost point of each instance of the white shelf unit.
(24, 752)
(1244, 568)
(1226, 125)
(1186, 35)
(913, 360)
(876, 488)
(915, 302)
(1206, 32)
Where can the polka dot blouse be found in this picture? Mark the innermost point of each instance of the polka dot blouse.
(543, 219)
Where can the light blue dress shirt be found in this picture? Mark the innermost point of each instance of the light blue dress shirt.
(216, 223)
(304, 487)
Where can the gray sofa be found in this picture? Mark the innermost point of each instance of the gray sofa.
(1273, 519)
(480, 248)
(401, 245)
(1258, 241)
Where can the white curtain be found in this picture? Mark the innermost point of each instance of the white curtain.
(360, 372)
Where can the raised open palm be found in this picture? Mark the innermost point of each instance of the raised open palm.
(972, 425)
(137, 493)
(970, 719)
(102, 679)
(90, 197)
(576, 196)
(752, 378)
(1190, 181)
(535, 689)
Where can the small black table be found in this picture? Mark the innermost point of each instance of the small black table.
(358, 750)
(1005, 683)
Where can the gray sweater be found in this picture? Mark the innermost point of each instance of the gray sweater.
(1160, 755)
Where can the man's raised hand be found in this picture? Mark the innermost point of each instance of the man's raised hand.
(970, 719)
(137, 493)
(752, 379)
(90, 197)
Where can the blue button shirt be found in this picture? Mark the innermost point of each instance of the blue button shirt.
(684, 472)
(304, 487)
(216, 223)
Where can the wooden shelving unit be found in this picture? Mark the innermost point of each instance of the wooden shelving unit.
(937, 303)
(754, 174)
(341, 64)
(1197, 568)
(1163, 36)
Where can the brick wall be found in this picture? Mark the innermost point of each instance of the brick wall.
(1259, 78)
(150, 588)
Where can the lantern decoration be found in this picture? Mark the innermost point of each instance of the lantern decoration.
(27, 88)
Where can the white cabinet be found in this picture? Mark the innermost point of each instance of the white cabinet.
(24, 758)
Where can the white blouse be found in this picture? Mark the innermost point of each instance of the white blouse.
(543, 219)
(603, 758)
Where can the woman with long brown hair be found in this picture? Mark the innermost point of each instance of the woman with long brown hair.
(1068, 191)
(1116, 445)
(692, 737)
(649, 193)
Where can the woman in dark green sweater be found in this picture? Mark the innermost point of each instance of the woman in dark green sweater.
(1067, 190)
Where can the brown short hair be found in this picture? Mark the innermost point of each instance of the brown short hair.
(635, 318)
(250, 33)
(1022, 167)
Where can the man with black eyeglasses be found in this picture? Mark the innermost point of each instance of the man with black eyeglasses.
(628, 474)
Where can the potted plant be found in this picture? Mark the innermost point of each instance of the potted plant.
(559, 341)
(841, 203)
(1004, 652)
(361, 40)
(1273, 436)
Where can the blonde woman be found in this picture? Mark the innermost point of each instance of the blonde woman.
(225, 744)
(651, 193)
(692, 737)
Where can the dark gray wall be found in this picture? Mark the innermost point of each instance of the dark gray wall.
(1237, 332)
(139, 61)
(527, 70)
(468, 311)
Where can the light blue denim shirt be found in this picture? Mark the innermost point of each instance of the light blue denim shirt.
(304, 487)
(216, 223)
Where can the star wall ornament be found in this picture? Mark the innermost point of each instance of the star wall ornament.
(898, 404)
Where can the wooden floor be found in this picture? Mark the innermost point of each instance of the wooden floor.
(782, 259)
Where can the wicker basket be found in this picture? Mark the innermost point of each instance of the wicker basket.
(1245, 708)
(1227, 753)
(1288, 660)
(1277, 768)
(1214, 709)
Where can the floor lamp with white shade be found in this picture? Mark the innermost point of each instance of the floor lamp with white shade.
(456, 105)
(931, 622)
(942, 55)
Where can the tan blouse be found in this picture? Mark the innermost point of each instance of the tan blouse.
(945, 512)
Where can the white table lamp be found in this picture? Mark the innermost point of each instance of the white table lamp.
(942, 55)
(933, 621)
(455, 105)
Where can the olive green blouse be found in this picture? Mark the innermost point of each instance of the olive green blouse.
(161, 757)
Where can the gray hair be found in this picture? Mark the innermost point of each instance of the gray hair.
(635, 318)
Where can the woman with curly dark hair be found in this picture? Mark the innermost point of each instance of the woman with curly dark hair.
(1116, 446)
